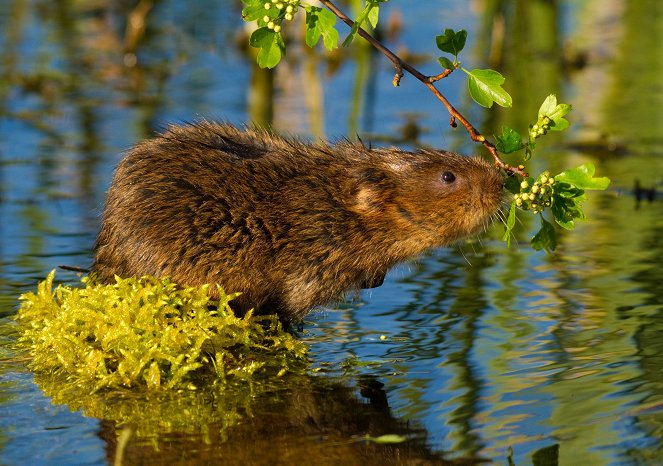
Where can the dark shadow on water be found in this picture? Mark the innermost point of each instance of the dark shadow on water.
(302, 420)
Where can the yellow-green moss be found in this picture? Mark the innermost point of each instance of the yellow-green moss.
(148, 332)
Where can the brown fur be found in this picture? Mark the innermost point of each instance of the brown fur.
(290, 225)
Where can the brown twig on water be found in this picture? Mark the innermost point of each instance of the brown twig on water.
(428, 81)
(73, 268)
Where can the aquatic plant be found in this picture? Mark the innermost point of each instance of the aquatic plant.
(149, 332)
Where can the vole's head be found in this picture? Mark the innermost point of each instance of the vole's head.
(435, 197)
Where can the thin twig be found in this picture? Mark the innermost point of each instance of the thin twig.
(74, 268)
(428, 81)
(442, 75)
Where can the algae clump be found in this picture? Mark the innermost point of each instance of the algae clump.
(149, 332)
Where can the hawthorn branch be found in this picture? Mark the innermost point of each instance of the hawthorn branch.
(429, 82)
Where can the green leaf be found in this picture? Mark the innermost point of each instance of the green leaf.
(510, 223)
(485, 87)
(559, 123)
(446, 63)
(271, 47)
(529, 150)
(566, 205)
(512, 184)
(254, 10)
(582, 177)
(545, 238)
(451, 42)
(555, 112)
(548, 106)
(366, 13)
(569, 193)
(509, 141)
(320, 23)
(373, 15)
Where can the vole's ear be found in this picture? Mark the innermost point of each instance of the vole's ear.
(369, 189)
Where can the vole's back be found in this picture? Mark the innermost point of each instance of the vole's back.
(288, 224)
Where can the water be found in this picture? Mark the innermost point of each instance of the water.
(484, 352)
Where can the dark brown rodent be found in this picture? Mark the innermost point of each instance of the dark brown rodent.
(288, 224)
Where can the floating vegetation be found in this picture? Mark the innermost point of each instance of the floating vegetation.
(150, 333)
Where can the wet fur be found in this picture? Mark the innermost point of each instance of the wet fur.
(290, 225)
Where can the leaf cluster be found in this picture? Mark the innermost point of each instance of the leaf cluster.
(568, 194)
(270, 16)
(484, 86)
(148, 332)
(550, 118)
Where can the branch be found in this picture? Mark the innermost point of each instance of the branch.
(428, 81)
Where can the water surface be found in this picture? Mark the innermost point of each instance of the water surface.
(477, 352)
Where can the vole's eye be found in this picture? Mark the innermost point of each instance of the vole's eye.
(448, 177)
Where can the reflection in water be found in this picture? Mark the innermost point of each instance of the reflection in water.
(309, 418)
(484, 349)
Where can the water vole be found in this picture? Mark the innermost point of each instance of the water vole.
(290, 225)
